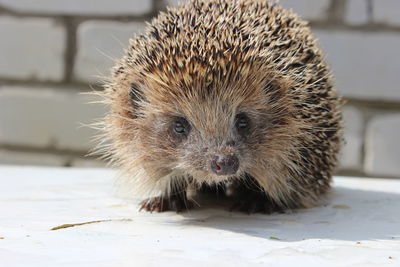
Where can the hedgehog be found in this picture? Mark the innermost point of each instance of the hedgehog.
(231, 97)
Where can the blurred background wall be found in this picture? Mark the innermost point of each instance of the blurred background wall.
(50, 50)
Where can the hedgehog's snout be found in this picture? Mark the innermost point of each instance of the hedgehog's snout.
(224, 164)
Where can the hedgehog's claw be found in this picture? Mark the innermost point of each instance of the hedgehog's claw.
(157, 204)
(177, 203)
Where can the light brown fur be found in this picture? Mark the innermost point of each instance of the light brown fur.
(208, 61)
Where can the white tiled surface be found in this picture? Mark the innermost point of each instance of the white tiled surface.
(359, 226)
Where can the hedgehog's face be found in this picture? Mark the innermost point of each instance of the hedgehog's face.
(204, 155)
(208, 149)
(207, 135)
(215, 157)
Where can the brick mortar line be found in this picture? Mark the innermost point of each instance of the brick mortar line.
(47, 150)
(70, 49)
(364, 139)
(372, 27)
(336, 11)
(350, 172)
(159, 5)
(144, 16)
(381, 105)
(316, 24)
(333, 22)
(65, 86)
(370, 10)
(355, 173)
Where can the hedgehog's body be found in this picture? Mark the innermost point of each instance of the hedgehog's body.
(221, 92)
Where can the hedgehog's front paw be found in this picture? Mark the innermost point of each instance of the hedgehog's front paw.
(254, 202)
(153, 204)
(176, 203)
(250, 206)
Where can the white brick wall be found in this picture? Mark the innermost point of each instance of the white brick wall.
(357, 12)
(174, 2)
(383, 145)
(40, 110)
(366, 64)
(350, 157)
(31, 48)
(99, 44)
(387, 11)
(46, 118)
(309, 9)
(79, 7)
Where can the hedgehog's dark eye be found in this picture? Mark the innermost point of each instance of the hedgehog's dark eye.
(242, 123)
(181, 126)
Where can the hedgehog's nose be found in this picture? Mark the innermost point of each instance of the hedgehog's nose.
(224, 164)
